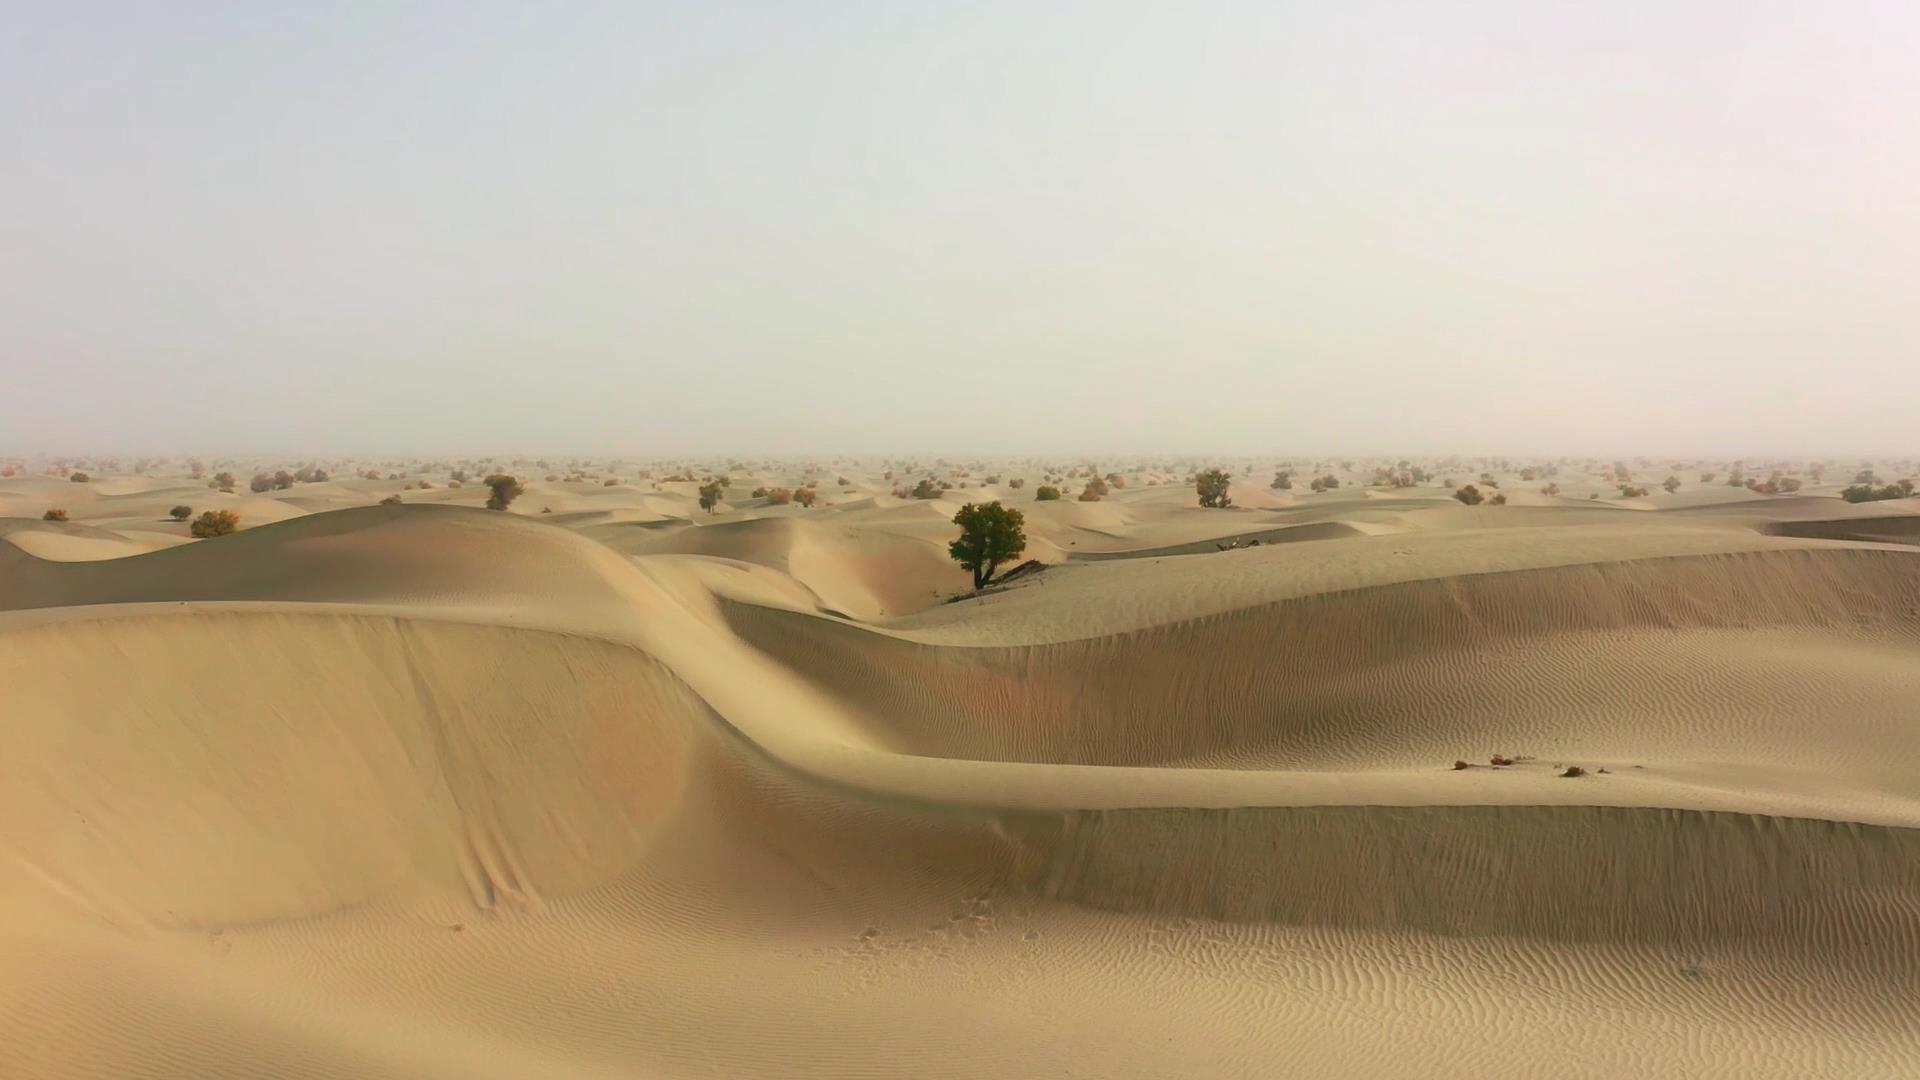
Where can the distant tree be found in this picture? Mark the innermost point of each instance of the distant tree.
(805, 496)
(1094, 491)
(1017, 483)
(55, 514)
(1045, 493)
(260, 482)
(1470, 495)
(1282, 480)
(1499, 499)
(1629, 491)
(1671, 483)
(181, 513)
(710, 496)
(1550, 489)
(459, 475)
(504, 490)
(391, 500)
(215, 523)
(1707, 477)
(1212, 488)
(990, 534)
(1866, 492)
(282, 480)
(79, 477)
(778, 496)
(927, 488)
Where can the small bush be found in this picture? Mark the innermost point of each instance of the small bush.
(1550, 489)
(928, 488)
(215, 523)
(1573, 771)
(1094, 491)
(504, 489)
(1671, 483)
(55, 514)
(778, 496)
(391, 500)
(181, 513)
(1500, 759)
(1017, 483)
(1470, 495)
(1866, 492)
(1045, 493)
(80, 478)
(1499, 499)
(1629, 491)
(1459, 765)
(1212, 488)
(805, 496)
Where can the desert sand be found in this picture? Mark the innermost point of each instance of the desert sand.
(606, 785)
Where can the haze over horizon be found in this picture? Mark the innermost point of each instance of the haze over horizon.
(980, 228)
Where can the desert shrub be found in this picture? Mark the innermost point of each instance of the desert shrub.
(1116, 481)
(260, 482)
(1470, 495)
(1212, 488)
(1573, 771)
(1459, 765)
(778, 496)
(391, 500)
(1550, 489)
(1045, 493)
(282, 480)
(927, 488)
(1017, 483)
(1330, 482)
(181, 513)
(760, 492)
(1530, 473)
(215, 523)
(1671, 483)
(710, 496)
(990, 534)
(1499, 499)
(9, 470)
(1282, 481)
(504, 490)
(608, 482)
(1707, 477)
(1628, 491)
(1864, 476)
(1866, 492)
(1500, 759)
(458, 475)
(805, 496)
(56, 514)
(79, 477)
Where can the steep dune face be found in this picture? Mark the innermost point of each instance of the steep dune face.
(333, 759)
(436, 792)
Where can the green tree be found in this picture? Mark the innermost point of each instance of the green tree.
(505, 489)
(990, 534)
(1212, 487)
(710, 496)
(181, 513)
(1470, 495)
(1045, 493)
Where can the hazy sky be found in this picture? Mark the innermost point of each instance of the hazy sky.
(810, 227)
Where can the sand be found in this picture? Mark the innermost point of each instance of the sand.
(609, 786)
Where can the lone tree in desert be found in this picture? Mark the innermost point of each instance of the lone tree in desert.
(710, 496)
(1212, 486)
(990, 534)
(181, 513)
(214, 523)
(505, 489)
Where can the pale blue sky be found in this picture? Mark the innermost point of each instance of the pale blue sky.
(809, 227)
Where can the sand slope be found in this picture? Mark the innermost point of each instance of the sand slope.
(424, 791)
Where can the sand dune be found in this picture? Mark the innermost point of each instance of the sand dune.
(427, 791)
